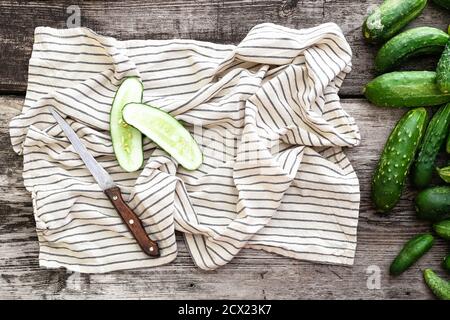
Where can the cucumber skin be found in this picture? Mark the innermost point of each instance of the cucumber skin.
(447, 146)
(443, 3)
(433, 204)
(132, 131)
(438, 286)
(442, 229)
(389, 18)
(431, 144)
(443, 70)
(411, 252)
(413, 42)
(397, 156)
(405, 89)
(444, 173)
(159, 145)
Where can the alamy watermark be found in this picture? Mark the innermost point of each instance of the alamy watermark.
(74, 19)
(374, 277)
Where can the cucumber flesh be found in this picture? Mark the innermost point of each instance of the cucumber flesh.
(166, 132)
(126, 140)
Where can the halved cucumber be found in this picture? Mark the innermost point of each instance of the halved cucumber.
(126, 140)
(165, 131)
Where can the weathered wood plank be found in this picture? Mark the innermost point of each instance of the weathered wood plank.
(253, 274)
(207, 20)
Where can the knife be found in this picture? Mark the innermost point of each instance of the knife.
(112, 191)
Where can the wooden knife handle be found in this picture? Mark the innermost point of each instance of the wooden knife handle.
(133, 222)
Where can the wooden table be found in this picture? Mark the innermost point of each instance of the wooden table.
(253, 274)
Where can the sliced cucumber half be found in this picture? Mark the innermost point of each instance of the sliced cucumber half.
(166, 132)
(126, 140)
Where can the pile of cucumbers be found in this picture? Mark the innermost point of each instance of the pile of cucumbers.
(414, 143)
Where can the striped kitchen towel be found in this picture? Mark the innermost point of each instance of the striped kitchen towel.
(265, 113)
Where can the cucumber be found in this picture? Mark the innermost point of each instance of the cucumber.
(443, 3)
(442, 229)
(438, 286)
(396, 158)
(446, 263)
(444, 173)
(443, 71)
(411, 43)
(447, 145)
(433, 139)
(411, 252)
(126, 140)
(390, 17)
(166, 132)
(433, 204)
(405, 89)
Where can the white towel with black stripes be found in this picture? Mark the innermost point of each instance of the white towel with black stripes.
(267, 117)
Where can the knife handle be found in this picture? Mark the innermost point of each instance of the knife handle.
(134, 224)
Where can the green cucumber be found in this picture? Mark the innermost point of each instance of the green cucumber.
(126, 140)
(447, 145)
(443, 3)
(165, 131)
(442, 229)
(411, 43)
(411, 252)
(446, 263)
(390, 17)
(444, 173)
(438, 286)
(405, 89)
(396, 158)
(443, 70)
(433, 204)
(433, 139)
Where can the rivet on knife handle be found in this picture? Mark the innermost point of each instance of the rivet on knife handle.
(134, 224)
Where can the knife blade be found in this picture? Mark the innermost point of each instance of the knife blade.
(109, 187)
(104, 180)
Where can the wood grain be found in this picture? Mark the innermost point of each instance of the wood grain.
(207, 20)
(251, 275)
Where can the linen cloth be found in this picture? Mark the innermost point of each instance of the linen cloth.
(265, 113)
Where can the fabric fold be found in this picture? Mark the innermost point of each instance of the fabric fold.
(266, 114)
